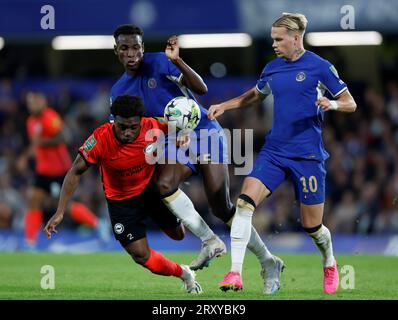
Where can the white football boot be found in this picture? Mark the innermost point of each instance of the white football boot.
(211, 248)
(272, 275)
(190, 284)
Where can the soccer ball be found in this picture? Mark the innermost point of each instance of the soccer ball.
(183, 112)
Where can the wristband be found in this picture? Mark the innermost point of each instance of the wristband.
(333, 105)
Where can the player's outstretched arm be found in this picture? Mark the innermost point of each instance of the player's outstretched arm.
(190, 78)
(247, 99)
(69, 186)
(343, 103)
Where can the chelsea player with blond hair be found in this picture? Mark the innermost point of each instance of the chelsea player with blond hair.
(298, 79)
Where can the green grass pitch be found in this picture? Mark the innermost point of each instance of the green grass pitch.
(116, 276)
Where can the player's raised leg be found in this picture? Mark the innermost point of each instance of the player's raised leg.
(160, 265)
(168, 177)
(311, 217)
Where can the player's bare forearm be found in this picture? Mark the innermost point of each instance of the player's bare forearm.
(69, 186)
(71, 182)
(190, 78)
(249, 98)
(346, 102)
(343, 103)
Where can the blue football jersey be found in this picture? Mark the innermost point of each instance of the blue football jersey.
(296, 85)
(157, 82)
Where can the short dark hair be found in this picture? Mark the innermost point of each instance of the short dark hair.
(127, 107)
(128, 29)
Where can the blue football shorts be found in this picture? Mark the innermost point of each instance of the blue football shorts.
(208, 144)
(308, 175)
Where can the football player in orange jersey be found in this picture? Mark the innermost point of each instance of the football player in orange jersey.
(47, 146)
(127, 178)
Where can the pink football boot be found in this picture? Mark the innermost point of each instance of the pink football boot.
(330, 278)
(232, 280)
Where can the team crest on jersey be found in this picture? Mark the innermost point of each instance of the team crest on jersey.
(152, 83)
(90, 143)
(300, 76)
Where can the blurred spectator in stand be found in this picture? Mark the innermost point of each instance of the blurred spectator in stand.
(12, 205)
(8, 103)
(345, 214)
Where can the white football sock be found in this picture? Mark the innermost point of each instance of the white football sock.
(240, 234)
(257, 246)
(323, 241)
(182, 207)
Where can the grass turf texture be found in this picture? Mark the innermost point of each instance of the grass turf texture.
(116, 276)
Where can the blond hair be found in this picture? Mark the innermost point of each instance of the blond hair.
(292, 21)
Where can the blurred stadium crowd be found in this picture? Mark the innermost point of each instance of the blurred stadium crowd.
(362, 180)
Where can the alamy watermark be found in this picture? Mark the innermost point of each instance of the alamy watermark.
(48, 278)
(202, 147)
(347, 21)
(47, 21)
(347, 281)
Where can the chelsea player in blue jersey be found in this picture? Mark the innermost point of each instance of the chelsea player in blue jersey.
(298, 80)
(157, 78)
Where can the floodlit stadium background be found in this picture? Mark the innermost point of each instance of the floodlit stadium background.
(362, 181)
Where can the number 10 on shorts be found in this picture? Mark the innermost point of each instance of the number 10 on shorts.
(310, 183)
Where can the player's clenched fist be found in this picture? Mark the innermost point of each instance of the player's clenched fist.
(172, 49)
(215, 111)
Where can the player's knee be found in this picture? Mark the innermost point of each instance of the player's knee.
(140, 256)
(166, 185)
